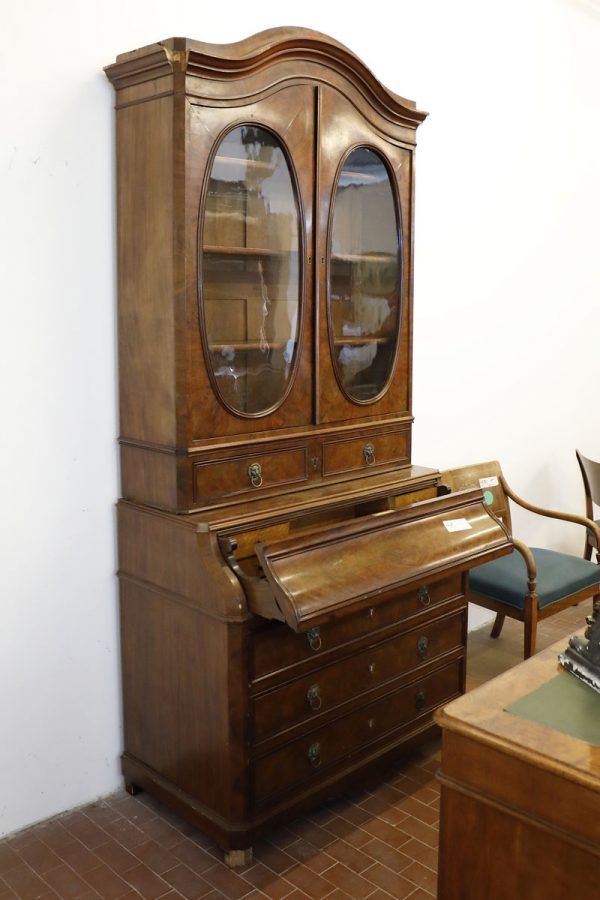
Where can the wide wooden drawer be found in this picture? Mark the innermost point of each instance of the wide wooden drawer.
(241, 474)
(276, 647)
(366, 452)
(318, 693)
(314, 755)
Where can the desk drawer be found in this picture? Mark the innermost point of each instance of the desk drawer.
(242, 474)
(367, 452)
(314, 755)
(277, 647)
(317, 693)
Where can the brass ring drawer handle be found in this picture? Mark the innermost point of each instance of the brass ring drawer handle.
(369, 454)
(422, 645)
(314, 638)
(255, 475)
(313, 697)
(420, 699)
(423, 595)
(314, 755)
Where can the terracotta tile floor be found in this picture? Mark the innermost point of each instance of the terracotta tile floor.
(371, 844)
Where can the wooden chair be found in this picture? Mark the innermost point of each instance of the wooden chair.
(530, 583)
(590, 472)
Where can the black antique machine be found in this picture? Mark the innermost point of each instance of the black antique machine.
(582, 656)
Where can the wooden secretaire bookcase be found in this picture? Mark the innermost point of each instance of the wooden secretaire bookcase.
(292, 588)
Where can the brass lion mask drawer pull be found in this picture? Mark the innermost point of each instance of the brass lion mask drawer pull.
(369, 453)
(255, 474)
(314, 755)
(420, 699)
(314, 638)
(423, 594)
(313, 697)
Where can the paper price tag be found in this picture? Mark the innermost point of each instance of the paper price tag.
(457, 525)
(492, 481)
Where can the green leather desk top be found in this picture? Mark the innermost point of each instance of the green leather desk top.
(565, 704)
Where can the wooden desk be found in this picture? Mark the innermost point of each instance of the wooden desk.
(520, 802)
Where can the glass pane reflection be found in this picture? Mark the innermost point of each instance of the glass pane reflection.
(250, 270)
(364, 276)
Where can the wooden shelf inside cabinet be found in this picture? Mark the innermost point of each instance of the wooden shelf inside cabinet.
(381, 258)
(247, 163)
(359, 341)
(244, 251)
(248, 345)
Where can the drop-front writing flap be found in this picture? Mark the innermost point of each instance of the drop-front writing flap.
(327, 574)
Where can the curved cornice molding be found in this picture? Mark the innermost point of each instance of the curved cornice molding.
(228, 62)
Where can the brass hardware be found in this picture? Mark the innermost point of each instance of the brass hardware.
(371, 668)
(314, 462)
(420, 698)
(371, 723)
(369, 454)
(422, 645)
(313, 697)
(371, 611)
(314, 754)
(255, 474)
(423, 595)
(314, 638)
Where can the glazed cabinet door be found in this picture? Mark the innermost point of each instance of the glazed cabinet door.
(365, 180)
(250, 175)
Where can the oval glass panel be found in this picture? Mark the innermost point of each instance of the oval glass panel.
(364, 276)
(250, 279)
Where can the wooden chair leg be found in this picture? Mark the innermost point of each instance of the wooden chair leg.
(531, 615)
(497, 627)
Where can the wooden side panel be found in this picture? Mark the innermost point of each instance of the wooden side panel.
(521, 785)
(165, 551)
(177, 718)
(149, 476)
(145, 262)
(166, 711)
(487, 852)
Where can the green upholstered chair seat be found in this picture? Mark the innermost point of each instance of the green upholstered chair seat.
(558, 576)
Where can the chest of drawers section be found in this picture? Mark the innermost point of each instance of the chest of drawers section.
(323, 703)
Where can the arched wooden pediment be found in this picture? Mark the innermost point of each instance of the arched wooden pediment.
(265, 59)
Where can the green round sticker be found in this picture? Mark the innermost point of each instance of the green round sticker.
(488, 497)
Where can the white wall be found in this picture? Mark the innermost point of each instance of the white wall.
(507, 309)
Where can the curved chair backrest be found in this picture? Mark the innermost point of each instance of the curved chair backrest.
(486, 476)
(590, 472)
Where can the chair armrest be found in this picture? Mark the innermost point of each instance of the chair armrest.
(529, 558)
(591, 526)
